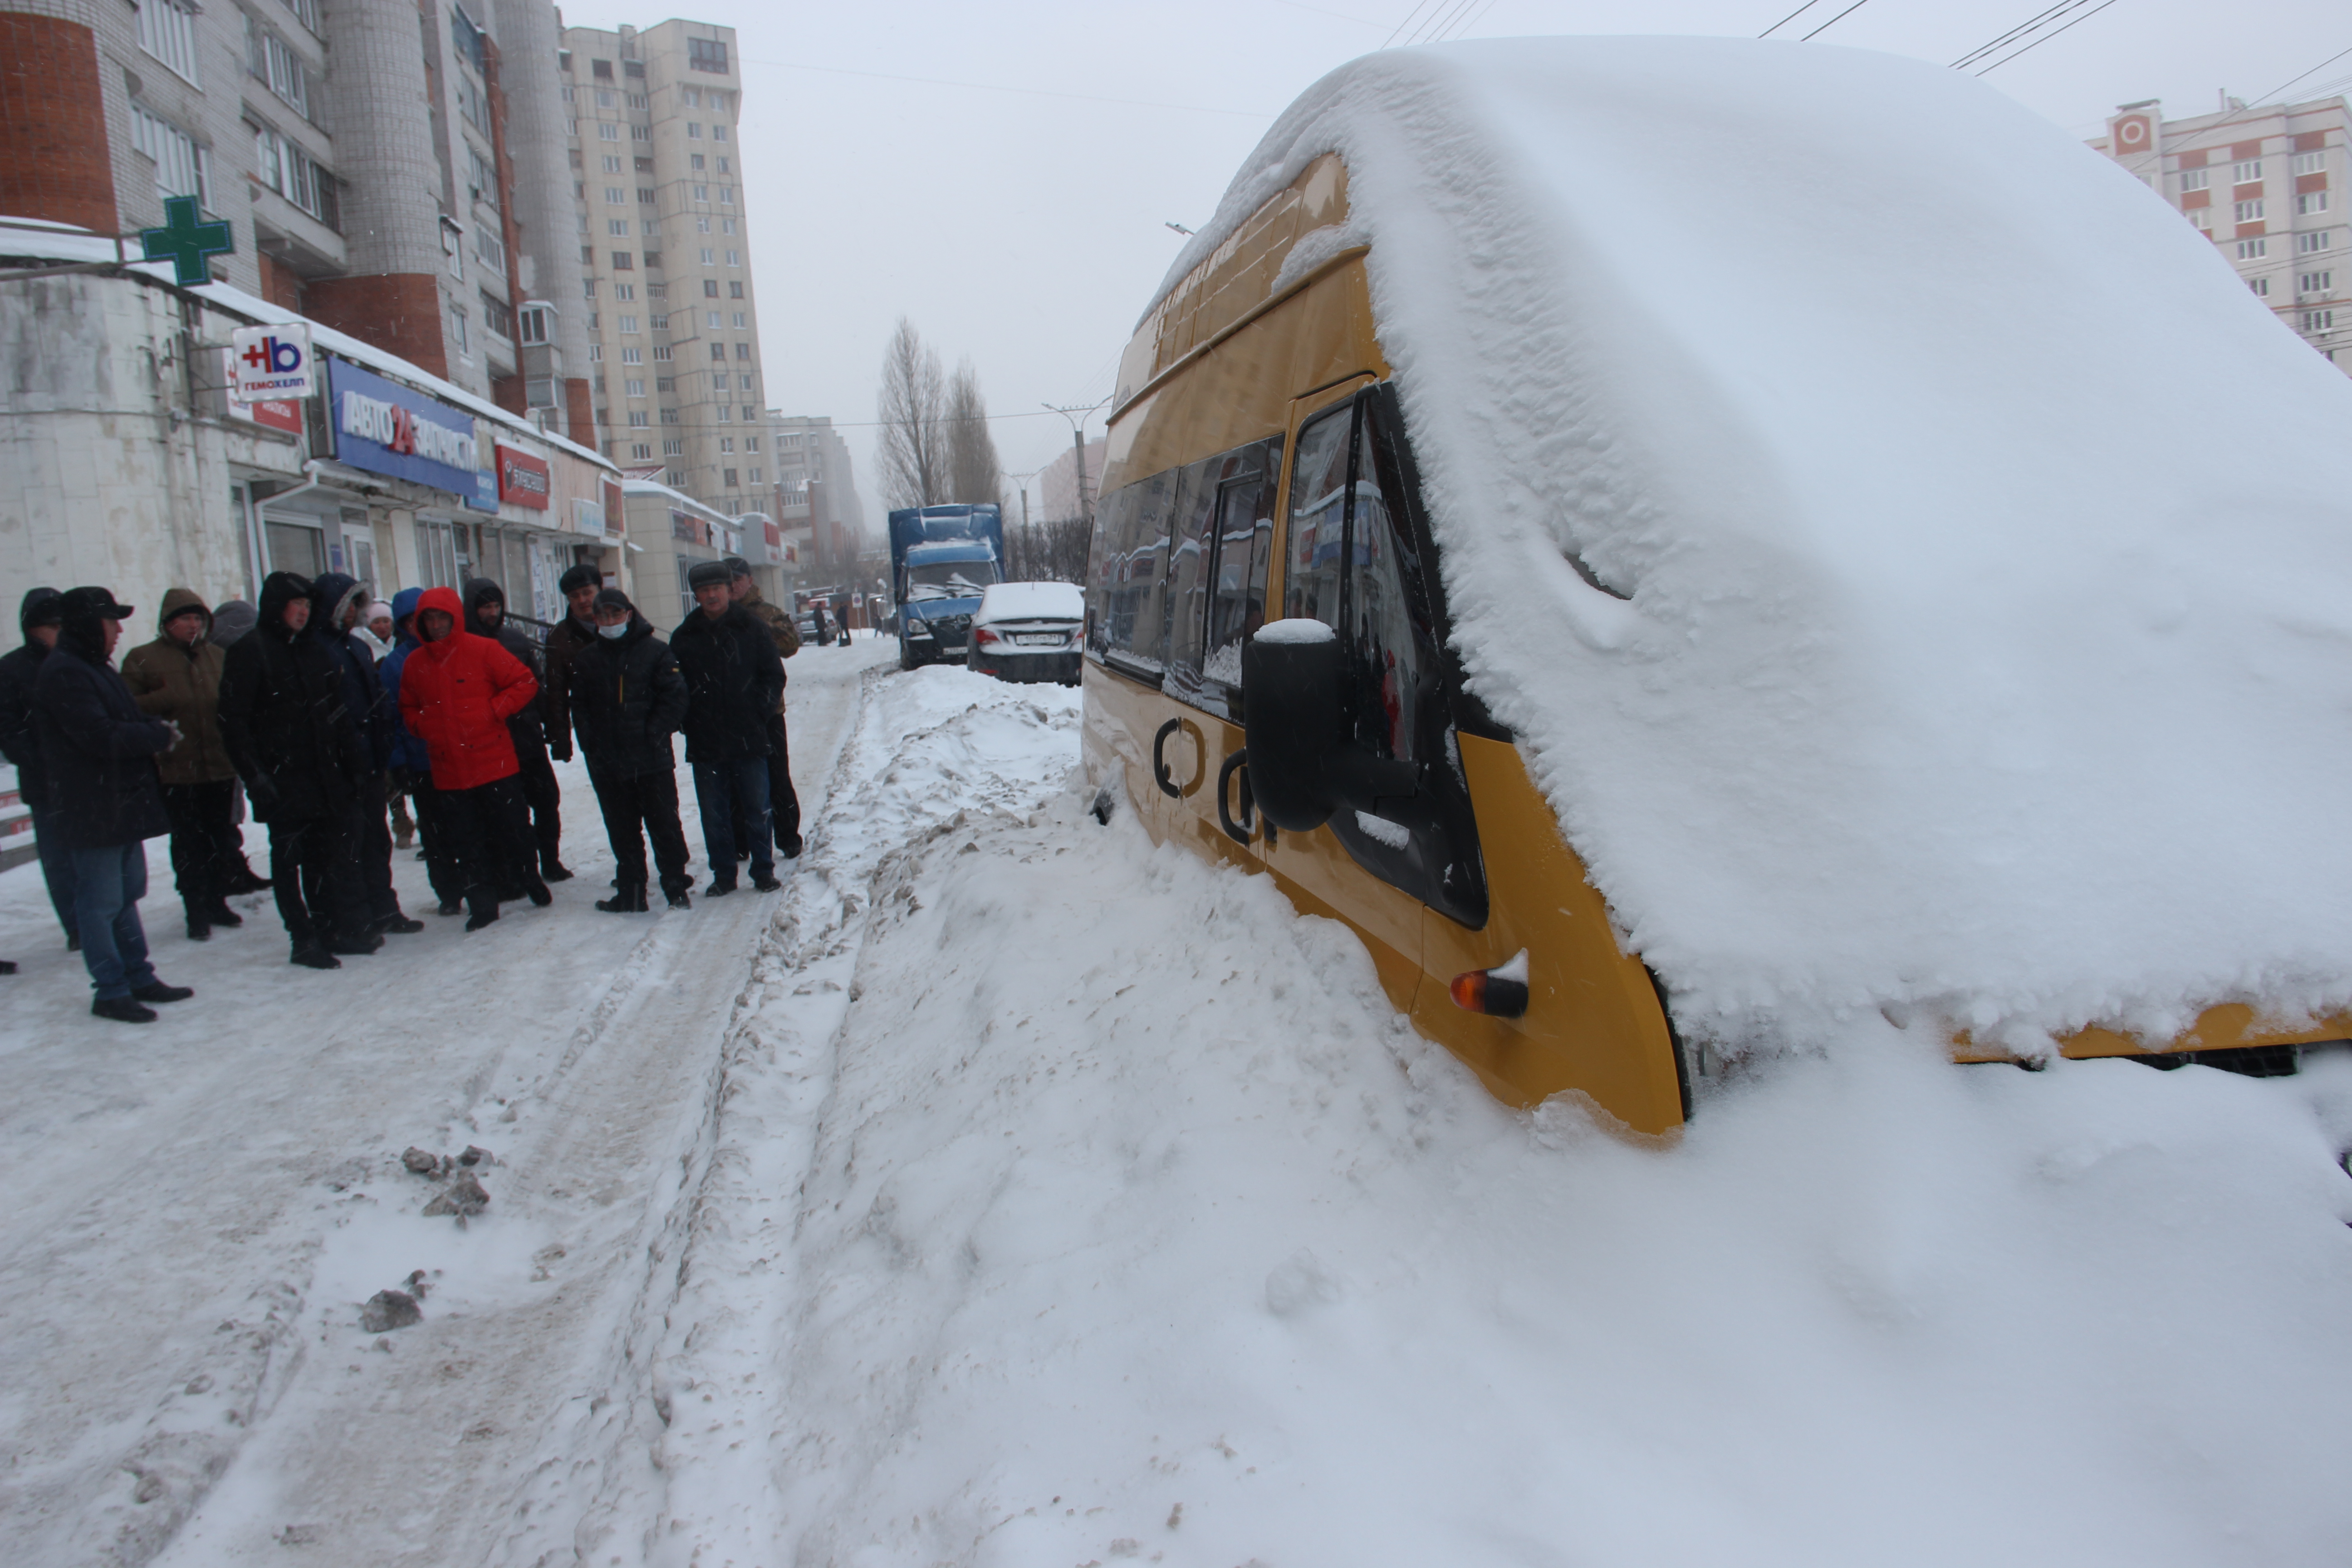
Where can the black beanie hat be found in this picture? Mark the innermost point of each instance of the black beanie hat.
(41, 607)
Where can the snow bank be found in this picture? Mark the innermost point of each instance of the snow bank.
(1136, 1225)
(1989, 547)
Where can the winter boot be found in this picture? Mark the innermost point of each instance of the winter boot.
(485, 911)
(397, 924)
(536, 890)
(220, 914)
(122, 1010)
(765, 882)
(200, 925)
(355, 946)
(629, 901)
(156, 991)
(676, 892)
(312, 954)
(552, 870)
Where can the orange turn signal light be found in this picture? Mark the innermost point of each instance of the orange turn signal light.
(1499, 993)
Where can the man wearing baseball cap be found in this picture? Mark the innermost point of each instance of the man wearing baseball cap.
(99, 750)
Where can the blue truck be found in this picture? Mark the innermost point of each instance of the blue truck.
(941, 558)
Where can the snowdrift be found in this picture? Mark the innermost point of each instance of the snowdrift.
(1976, 552)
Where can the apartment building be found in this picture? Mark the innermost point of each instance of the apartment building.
(663, 257)
(360, 154)
(2267, 184)
(816, 503)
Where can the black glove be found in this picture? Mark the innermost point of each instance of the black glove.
(560, 748)
(263, 790)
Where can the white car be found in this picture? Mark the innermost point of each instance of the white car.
(1029, 631)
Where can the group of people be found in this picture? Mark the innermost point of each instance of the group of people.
(332, 717)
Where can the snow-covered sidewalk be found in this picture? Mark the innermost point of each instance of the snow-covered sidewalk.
(203, 1202)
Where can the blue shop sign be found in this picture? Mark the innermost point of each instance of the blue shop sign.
(385, 429)
(486, 490)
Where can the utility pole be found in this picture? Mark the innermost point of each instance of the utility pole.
(1077, 418)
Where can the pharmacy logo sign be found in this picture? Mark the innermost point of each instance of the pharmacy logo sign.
(270, 363)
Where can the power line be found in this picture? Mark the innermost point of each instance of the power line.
(1419, 6)
(2047, 37)
(1792, 16)
(1833, 21)
(2022, 28)
(2315, 70)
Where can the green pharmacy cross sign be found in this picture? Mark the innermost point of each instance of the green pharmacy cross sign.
(185, 243)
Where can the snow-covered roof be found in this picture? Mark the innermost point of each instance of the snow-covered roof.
(58, 242)
(1976, 640)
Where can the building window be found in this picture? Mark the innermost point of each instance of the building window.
(653, 257)
(2308, 163)
(2245, 170)
(286, 169)
(670, 415)
(710, 320)
(735, 291)
(734, 259)
(631, 355)
(2252, 249)
(707, 55)
(694, 163)
(637, 419)
(2319, 321)
(457, 328)
(268, 57)
(628, 324)
(637, 387)
(693, 131)
(672, 447)
(709, 256)
(615, 195)
(718, 133)
(661, 352)
(2249, 212)
(607, 131)
(624, 291)
(649, 228)
(2194, 179)
(727, 445)
(2260, 286)
(644, 196)
(305, 12)
(496, 317)
(618, 226)
(641, 132)
(726, 166)
(535, 325)
(601, 69)
(726, 412)
(726, 225)
(637, 100)
(739, 321)
(588, 290)
(642, 453)
(167, 30)
(182, 169)
(702, 194)
(702, 226)
(612, 163)
(2310, 202)
(2312, 244)
(730, 479)
(587, 255)
(595, 353)
(2200, 219)
(2314, 282)
(743, 351)
(727, 195)
(754, 478)
(718, 351)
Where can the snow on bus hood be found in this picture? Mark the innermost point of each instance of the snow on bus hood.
(1987, 547)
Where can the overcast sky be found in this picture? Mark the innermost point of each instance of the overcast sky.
(1013, 204)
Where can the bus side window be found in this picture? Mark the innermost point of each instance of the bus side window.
(1134, 569)
(1318, 493)
(1392, 642)
(1244, 536)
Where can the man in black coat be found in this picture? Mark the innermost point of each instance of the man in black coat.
(337, 602)
(733, 682)
(97, 752)
(40, 615)
(486, 616)
(627, 698)
(293, 740)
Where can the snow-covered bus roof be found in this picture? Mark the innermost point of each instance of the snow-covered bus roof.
(1974, 639)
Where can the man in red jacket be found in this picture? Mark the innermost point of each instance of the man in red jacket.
(457, 693)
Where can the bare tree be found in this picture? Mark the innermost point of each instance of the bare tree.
(975, 476)
(912, 409)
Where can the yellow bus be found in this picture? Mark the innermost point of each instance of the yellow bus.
(1260, 473)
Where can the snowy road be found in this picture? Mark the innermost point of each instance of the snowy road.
(201, 1204)
(1010, 1191)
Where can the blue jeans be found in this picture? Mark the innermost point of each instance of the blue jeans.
(108, 885)
(56, 862)
(725, 791)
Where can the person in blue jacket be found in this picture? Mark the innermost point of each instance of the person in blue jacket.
(99, 750)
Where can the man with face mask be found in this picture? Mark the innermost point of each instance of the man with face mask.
(627, 700)
(177, 676)
(99, 752)
(572, 636)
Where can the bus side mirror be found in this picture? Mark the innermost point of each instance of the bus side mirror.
(1302, 765)
(1291, 674)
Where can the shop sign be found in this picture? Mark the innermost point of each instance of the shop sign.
(278, 413)
(615, 519)
(523, 479)
(386, 428)
(269, 362)
(486, 490)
